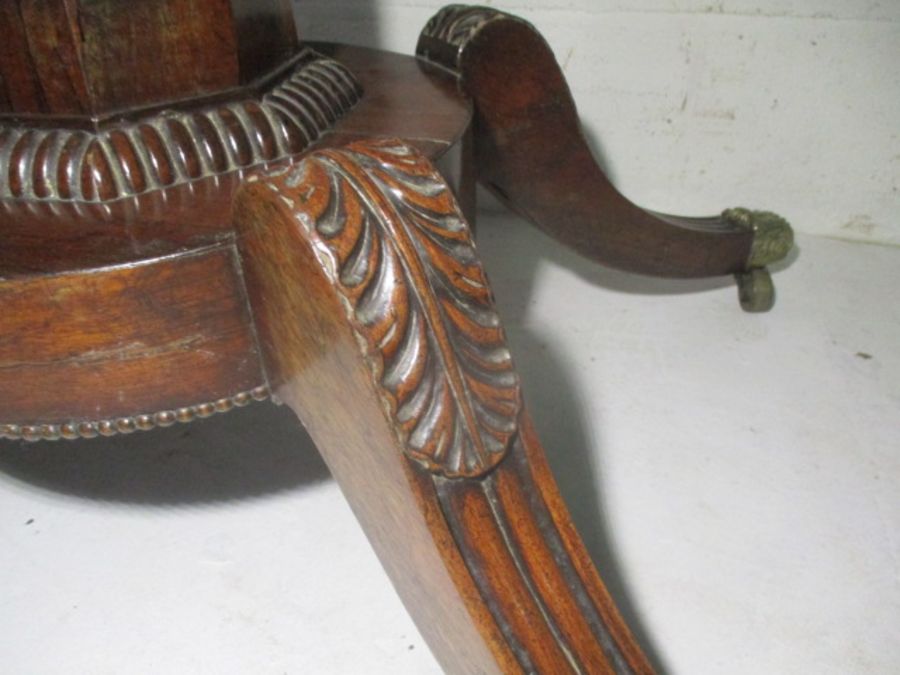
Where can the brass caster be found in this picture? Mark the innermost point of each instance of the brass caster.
(755, 290)
(773, 237)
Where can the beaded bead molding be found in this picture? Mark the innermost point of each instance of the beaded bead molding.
(126, 425)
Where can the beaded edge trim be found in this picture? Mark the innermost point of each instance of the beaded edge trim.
(127, 425)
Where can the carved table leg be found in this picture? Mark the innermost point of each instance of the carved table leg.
(377, 327)
(532, 154)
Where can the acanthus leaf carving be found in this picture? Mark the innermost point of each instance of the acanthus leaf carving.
(389, 234)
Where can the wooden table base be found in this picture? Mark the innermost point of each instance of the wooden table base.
(377, 326)
(532, 154)
(345, 280)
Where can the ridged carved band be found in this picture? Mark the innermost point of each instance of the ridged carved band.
(173, 147)
(126, 425)
(455, 25)
(447, 32)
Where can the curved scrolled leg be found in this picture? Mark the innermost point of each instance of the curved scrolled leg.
(532, 154)
(377, 327)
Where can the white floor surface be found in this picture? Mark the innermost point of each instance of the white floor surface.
(736, 478)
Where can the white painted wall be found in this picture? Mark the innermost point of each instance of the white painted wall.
(696, 105)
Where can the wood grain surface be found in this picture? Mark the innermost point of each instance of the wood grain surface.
(90, 59)
(341, 254)
(138, 270)
(532, 154)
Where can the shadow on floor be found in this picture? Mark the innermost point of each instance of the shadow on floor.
(571, 439)
(261, 449)
(249, 452)
(258, 451)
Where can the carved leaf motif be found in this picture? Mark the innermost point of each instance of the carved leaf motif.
(456, 24)
(386, 227)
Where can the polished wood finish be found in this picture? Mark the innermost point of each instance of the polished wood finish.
(346, 280)
(177, 334)
(376, 325)
(532, 154)
(271, 121)
(90, 59)
(182, 320)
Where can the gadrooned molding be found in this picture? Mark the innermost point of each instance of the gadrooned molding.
(172, 147)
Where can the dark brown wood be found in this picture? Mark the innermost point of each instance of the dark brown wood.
(187, 294)
(376, 325)
(125, 129)
(280, 117)
(532, 154)
(40, 59)
(179, 321)
(94, 58)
